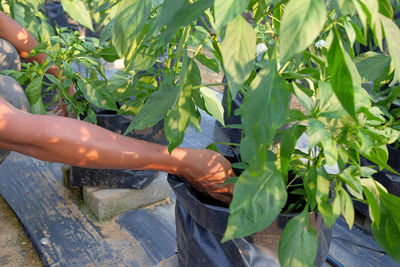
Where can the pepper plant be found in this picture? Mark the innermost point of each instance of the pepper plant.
(317, 51)
(335, 57)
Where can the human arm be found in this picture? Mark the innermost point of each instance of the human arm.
(83, 144)
(22, 40)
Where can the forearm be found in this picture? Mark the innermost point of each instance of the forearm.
(22, 40)
(79, 143)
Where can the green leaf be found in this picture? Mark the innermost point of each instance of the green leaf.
(324, 93)
(109, 54)
(178, 13)
(341, 77)
(372, 194)
(213, 147)
(353, 181)
(91, 116)
(268, 98)
(210, 63)
(97, 94)
(351, 33)
(328, 211)
(177, 119)
(347, 207)
(310, 186)
(385, 8)
(303, 98)
(288, 143)
(301, 24)
(387, 233)
(364, 63)
(67, 70)
(54, 80)
(131, 17)
(34, 94)
(131, 107)
(107, 31)
(155, 108)
(257, 200)
(226, 10)
(119, 85)
(379, 155)
(319, 134)
(195, 118)
(392, 33)
(299, 242)
(238, 53)
(343, 7)
(213, 104)
(78, 12)
(143, 60)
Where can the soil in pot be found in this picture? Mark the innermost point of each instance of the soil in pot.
(200, 228)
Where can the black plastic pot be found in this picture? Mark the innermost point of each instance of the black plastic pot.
(119, 178)
(230, 118)
(389, 180)
(200, 227)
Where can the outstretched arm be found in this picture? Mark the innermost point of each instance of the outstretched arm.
(83, 144)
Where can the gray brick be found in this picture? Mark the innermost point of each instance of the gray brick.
(105, 203)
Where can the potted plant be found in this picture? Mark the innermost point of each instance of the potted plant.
(310, 50)
(311, 46)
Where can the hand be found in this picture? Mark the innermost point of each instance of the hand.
(205, 170)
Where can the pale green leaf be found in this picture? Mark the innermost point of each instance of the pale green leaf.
(288, 143)
(347, 207)
(177, 119)
(34, 94)
(268, 98)
(97, 94)
(178, 13)
(226, 10)
(365, 61)
(213, 104)
(299, 242)
(238, 53)
(257, 200)
(155, 108)
(130, 20)
(301, 24)
(392, 33)
(387, 233)
(324, 202)
(78, 12)
(303, 98)
(341, 77)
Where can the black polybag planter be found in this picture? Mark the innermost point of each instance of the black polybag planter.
(119, 178)
(389, 180)
(200, 227)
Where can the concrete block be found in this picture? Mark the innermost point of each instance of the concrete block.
(105, 203)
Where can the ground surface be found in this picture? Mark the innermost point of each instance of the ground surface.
(15, 247)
